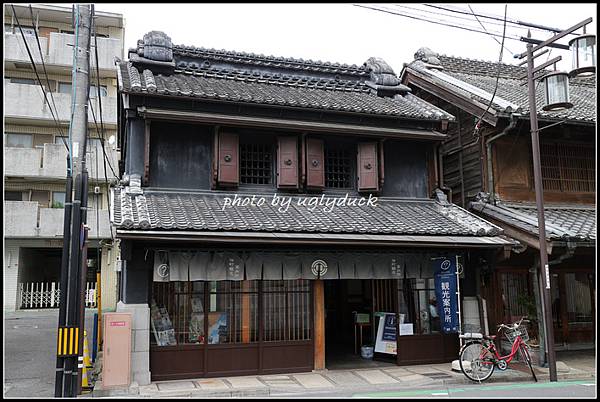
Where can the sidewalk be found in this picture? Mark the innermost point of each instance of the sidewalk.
(355, 381)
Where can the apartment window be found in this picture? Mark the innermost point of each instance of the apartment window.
(256, 163)
(67, 88)
(13, 196)
(567, 167)
(26, 81)
(42, 197)
(58, 199)
(15, 29)
(19, 140)
(94, 91)
(338, 167)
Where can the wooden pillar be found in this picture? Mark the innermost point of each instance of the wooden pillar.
(319, 303)
(245, 312)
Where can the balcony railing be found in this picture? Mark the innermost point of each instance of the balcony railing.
(58, 50)
(51, 162)
(24, 101)
(25, 219)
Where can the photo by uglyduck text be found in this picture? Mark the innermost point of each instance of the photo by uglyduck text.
(283, 203)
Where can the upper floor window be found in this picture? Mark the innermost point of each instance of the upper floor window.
(19, 140)
(13, 196)
(256, 162)
(58, 199)
(67, 88)
(568, 167)
(338, 167)
(27, 30)
(27, 81)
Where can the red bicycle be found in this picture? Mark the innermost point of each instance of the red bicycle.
(479, 356)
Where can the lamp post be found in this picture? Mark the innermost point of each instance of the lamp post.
(557, 97)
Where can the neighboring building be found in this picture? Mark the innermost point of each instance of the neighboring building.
(491, 173)
(255, 289)
(35, 156)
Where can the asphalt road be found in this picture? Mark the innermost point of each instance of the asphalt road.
(30, 352)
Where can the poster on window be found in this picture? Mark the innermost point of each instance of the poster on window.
(446, 296)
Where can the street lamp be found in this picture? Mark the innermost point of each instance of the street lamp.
(556, 97)
(556, 91)
(583, 52)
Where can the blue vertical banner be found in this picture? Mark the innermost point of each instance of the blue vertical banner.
(445, 292)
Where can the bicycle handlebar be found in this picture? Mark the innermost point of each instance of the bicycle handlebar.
(514, 325)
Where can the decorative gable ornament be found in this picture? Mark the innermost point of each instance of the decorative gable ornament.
(429, 57)
(383, 79)
(157, 46)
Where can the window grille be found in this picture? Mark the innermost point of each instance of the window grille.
(567, 167)
(256, 163)
(338, 168)
(286, 310)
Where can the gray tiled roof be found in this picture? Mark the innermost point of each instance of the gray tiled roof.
(575, 222)
(482, 74)
(276, 89)
(269, 61)
(159, 210)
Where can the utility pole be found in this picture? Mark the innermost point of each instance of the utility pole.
(544, 268)
(71, 315)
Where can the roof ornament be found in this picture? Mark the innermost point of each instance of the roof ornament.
(429, 57)
(383, 79)
(157, 46)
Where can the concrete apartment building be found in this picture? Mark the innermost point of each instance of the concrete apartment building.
(35, 156)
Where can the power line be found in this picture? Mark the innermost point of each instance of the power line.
(98, 94)
(38, 76)
(514, 22)
(443, 14)
(477, 125)
(433, 22)
(45, 72)
(480, 23)
(453, 20)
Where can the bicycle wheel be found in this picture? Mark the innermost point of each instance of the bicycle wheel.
(525, 353)
(476, 362)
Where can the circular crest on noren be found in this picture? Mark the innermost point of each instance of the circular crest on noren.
(163, 270)
(318, 268)
(445, 265)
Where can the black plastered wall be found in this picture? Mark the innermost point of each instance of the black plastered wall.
(405, 167)
(136, 275)
(180, 155)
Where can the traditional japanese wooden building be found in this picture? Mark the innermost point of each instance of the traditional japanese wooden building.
(220, 283)
(489, 171)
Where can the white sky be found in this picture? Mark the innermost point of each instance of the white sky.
(346, 33)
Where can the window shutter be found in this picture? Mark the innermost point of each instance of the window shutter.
(315, 170)
(229, 173)
(287, 162)
(368, 177)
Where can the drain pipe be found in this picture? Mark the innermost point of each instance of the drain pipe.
(507, 129)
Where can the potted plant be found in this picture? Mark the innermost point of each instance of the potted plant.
(527, 301)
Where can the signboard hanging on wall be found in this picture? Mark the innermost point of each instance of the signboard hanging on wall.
(446, 294)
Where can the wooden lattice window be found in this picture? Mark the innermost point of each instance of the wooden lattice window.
(256, 163)
(567, 167)
(338, 168)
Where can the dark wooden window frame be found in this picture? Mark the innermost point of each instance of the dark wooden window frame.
(251, 171)
(349, 150)
(566, 183)
(204, 352)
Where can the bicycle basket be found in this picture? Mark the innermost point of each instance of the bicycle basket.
(521, 330)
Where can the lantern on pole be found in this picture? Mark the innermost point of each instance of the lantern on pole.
(583, 53)
(556, 91)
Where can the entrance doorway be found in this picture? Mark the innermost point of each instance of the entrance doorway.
(573, 309)
(344, 299)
